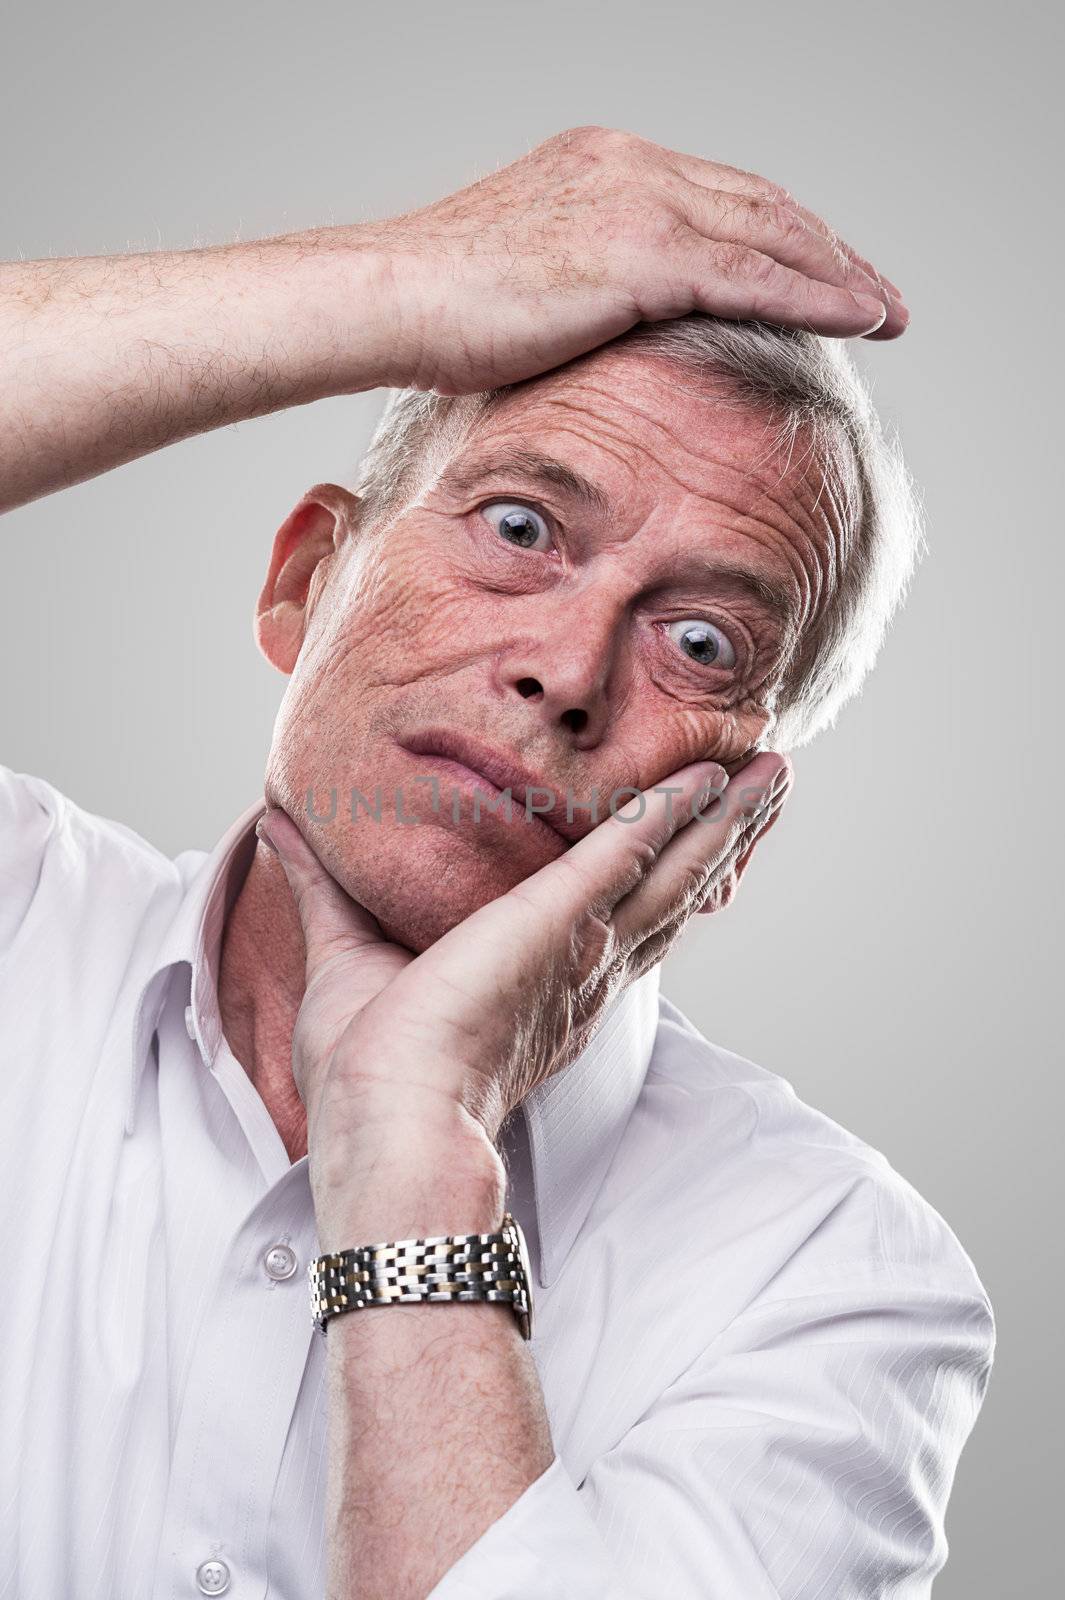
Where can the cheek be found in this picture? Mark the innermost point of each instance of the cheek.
(659, 744)
(405, 616)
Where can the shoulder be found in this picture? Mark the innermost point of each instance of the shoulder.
(796, 1203)
(62, 865)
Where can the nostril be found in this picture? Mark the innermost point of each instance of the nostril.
(576, 720)
(530, 688)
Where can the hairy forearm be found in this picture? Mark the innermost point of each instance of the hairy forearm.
(105, 359)
(436, 1417)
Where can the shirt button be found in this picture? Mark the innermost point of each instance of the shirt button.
(212, 1577)
(280, 1262)
(190, 1023)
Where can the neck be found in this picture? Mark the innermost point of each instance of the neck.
(260, 987)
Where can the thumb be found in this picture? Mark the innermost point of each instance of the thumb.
(332, 921)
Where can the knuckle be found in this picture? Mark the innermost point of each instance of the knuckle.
(765, 188)
(644, 855)
(651, 951)
(591, 137)
(660, 229)
(596, 948)
(783, 220)
(775, 193)
(582, 133)
(698, 876)
(843, 257)
(742, 210)
(747, 825)
(730, 261)
(751, 179)
(759, 270)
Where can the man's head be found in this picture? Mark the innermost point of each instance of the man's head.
(687, 544)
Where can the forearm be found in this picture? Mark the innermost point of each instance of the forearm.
(105, 359)
(436, 1417)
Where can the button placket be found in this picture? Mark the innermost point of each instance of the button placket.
(240, 1397)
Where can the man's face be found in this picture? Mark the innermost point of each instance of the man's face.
(599, 584)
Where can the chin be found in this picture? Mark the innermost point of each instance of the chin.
(417, 927)
(421, 879)
(419, 889)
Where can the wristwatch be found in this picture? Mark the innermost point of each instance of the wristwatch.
(452, 1267)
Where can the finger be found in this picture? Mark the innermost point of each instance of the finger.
(891, 327)
(597, 871)
(775, 230)
(331, 920)
(651, 952)
(898, 316)
(739, 867)
(784, 234)
(737, 180)
(731, 281)
(714, 175)
(688, 866)
(711, 887)
(718, 889)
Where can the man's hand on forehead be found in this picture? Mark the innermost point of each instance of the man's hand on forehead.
(545, 260)
(594, 231)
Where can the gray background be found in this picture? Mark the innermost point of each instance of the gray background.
(892, 951)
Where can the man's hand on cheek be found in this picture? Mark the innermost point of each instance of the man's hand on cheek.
(433, 1052)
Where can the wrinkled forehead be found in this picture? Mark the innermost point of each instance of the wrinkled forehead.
(644, 431)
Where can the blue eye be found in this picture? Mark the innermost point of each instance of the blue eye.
(703, 643)
(518, 524)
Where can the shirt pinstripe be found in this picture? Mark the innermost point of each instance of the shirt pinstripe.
(761, 1351)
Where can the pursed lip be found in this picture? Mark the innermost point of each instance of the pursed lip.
(501, 771)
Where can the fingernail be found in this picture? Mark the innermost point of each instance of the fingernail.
(261, 833)
(876, 308)
(714, 785)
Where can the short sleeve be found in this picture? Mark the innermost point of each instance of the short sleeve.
(26, 824)
(808, 1455)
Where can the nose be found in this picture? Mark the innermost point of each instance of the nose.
(567, 668)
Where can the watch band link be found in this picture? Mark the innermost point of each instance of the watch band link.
(451, 1267)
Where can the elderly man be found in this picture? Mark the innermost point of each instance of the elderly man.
(637, 1322)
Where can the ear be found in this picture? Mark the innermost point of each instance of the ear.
(304, 548)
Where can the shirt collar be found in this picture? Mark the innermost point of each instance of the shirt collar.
(575, 1120)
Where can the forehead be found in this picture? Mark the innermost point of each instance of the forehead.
(647, 433)
(669, 467)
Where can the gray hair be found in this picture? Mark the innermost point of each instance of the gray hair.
(811, 389)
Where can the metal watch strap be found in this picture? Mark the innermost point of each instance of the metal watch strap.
(451, 1267)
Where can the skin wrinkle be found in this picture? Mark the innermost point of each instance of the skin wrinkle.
(678, 584)
(530, 463)
(753, 469)
(767, 494)
(428, 618)
(496, 467)
(810, 590)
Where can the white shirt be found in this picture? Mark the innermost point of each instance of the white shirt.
(761, 1351)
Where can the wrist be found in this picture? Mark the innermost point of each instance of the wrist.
(295, 318)
(398, 1176)
(341, 284)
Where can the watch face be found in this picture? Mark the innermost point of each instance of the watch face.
(526, 1271)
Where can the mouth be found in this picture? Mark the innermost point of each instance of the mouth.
(472, 765)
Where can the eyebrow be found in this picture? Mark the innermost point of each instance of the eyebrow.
(765, 591)
(534, 468)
